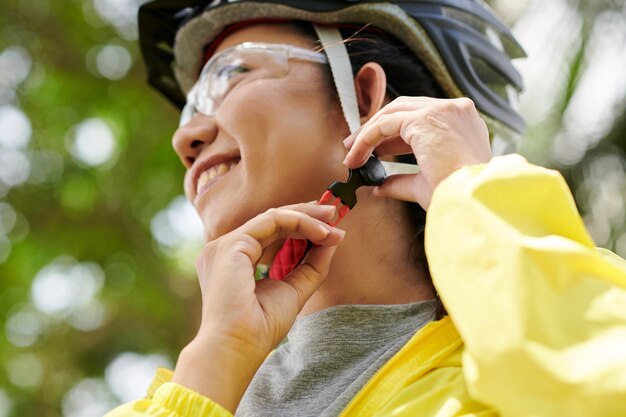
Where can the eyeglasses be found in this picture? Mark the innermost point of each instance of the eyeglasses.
(241, 64)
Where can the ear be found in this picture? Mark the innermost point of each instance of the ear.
(371, 88)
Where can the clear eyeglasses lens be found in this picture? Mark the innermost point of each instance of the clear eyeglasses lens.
(240, 64)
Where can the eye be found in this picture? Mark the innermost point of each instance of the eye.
(231, 70)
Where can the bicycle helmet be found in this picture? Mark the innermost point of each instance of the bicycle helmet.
(466, 48)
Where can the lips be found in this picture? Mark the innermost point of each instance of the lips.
(206, 172)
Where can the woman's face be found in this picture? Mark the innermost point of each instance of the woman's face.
(271, 142)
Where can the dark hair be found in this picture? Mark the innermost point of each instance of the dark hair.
(406, 76)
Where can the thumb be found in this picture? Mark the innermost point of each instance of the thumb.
(309, 275)
(406, 187)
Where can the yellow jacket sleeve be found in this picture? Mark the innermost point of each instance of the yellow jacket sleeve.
(542, 312)
(167, 399)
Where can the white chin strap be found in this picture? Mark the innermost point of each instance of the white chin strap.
(339, 60)
(340, 66)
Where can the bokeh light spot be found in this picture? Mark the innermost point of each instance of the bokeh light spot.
(599, 95)
(113, 62)
(20, 229)
(23, 328)
(15, 128)
(94, 143)
(88, 317)
(26, 371)
(15, 65)
(64, 287)
(89, 398)
(121, 14)
(5, 404)
(129, 374)
(14, 167)
(8, 218)
(7, 94)
(177, 224)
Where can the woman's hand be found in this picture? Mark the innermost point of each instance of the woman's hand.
(244, 319)
(443, 134)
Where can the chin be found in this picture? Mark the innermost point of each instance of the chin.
(220, 221)
(214, 230)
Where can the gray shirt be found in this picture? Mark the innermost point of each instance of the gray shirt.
(329, 356)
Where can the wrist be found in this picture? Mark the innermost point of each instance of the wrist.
(217, 369)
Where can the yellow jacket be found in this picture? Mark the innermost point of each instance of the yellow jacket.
(540, 311)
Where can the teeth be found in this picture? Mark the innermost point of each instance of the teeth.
(214, 172)
(222, 169)
(204, 178)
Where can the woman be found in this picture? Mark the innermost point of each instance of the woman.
(263, 130)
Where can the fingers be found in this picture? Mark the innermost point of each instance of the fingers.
(411, 120)
(406, 187)
(392, 147)
(322, 212)
(373, 134)
(283, 223)
(275, 224)
(308, 276)
(400, 104)
(387, 131)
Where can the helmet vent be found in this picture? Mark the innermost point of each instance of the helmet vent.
(499, 37)
(490, 77)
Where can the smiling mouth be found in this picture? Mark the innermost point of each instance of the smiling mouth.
(212, 174)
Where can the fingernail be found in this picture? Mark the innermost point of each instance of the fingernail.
(325, 230)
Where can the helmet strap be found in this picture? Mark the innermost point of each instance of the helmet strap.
(337, 53)
(341, 68)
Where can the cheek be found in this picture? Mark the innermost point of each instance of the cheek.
(289, 139)
(280, 119)
(243, 114)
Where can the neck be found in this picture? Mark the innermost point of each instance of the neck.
(373, 264)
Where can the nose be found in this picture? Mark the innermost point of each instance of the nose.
(189, 140)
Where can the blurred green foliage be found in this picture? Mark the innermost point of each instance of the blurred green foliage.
(97, 221)
(96, 214)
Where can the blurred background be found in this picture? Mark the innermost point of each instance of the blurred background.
(97, 243)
